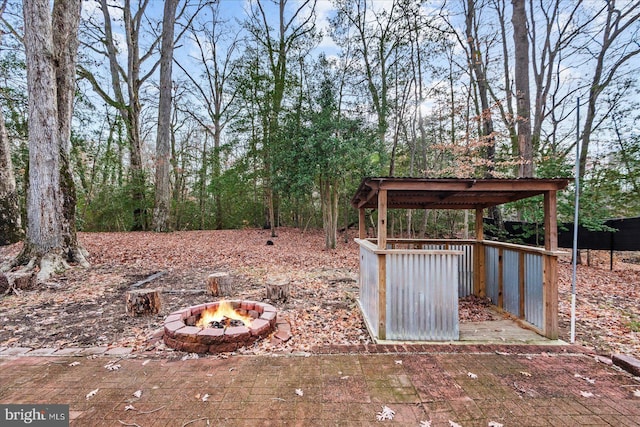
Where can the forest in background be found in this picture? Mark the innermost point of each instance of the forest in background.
(278, 109)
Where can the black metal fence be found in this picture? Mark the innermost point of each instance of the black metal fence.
(626, 236)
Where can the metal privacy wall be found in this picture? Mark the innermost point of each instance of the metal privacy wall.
(425, 305)
(420, 299)
(465, 264)
(524, 298)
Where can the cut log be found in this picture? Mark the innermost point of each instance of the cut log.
(17, 281)
(143, 302)
(4, 284)
(219, 284)
(278, 289)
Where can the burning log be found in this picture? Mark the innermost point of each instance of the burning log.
(278, 289)
(141, 302)
(219, 284)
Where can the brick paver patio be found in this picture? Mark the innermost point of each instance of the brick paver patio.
(517, 387)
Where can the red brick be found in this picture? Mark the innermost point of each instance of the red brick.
(210, 336)
(247, 305)
(260, 327)
(269, 307)
(284, 336)
(254, 314)
(171, 328)
(188, 333)
(173, 318)
(219, 348)
(194, 347)
(269, 315)
(236, 333)
(627, 363)
(283, 325)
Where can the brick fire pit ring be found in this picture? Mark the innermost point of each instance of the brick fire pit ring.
(180, 332)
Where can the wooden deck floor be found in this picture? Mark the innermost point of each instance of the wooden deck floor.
(503, 331)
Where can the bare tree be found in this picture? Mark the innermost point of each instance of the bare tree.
(51, 42)
(217, 46)
(618, 44)
(376, 37)
(523, 97)
(10, 222)
(292, 33)
(163, 142)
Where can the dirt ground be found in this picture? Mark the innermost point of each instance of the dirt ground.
(86, 307)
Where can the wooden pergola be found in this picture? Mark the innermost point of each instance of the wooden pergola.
(488, 273)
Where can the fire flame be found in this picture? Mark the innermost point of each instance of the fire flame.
(224, 310)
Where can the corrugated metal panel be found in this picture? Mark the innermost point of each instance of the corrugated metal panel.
(533, 299)
(369, 288)
(465, 269)
(511, 281)
(491, 273)
(422, 296)
(465, 265)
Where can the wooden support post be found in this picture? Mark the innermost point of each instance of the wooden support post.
(550, 296)
(382, 219)
(479, 280)
(550, 269)
(362, 224)
(143, 302)
(278, 289)
(550, 221)
(219, 284)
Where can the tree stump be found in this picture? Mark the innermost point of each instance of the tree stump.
(142, 302)
(219, 284)
(278, 289)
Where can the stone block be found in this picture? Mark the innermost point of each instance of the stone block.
(628, 363)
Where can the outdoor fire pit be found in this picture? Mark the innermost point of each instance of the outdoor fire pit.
(219, 326)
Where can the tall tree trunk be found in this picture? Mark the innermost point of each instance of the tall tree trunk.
(51, 52)
(329, 197)
(523, 97)
(163, 143)
(10, 223)
(478, 69)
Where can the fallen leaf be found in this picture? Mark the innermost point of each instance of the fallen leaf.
(74, 363)
(112, 367)
(398, 362)
(92, 393)
(589, 380)
(299, 392)
(145, 362)
(190, 356)
(138, 394)
(586, 394)
(454, 424)
(525, 374)
(129, 408)
(425, 424)
(386, 414)
(472, 375)
(494, 424)
(636, 393)
(205, 398)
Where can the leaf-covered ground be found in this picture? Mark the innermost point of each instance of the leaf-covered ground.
(87, 307)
